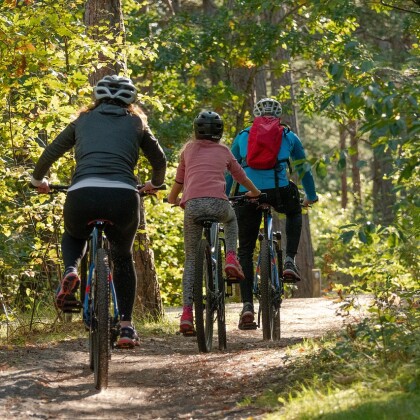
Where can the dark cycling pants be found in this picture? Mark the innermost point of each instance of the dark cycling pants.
(249, 220)
(121, 207)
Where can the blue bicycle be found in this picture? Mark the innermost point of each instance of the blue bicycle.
(98, 298)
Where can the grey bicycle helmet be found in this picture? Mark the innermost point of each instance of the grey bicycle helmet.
(208, 125)
(116, 87)
(267, 106)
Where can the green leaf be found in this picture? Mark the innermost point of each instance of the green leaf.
(362, 236)
(346, 237)
(321, 169)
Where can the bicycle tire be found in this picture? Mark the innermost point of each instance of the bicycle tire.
(221, 309)
(277, 303)
(101, 310)
(90, 318)
(276, 325)
(265, 290)
(203, 297)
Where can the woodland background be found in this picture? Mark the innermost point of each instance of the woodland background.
(346, 72)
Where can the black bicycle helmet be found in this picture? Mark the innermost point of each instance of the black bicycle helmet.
(116, 87)
(267, 106)
(208, 126)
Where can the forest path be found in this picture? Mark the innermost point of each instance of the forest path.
(164, 378)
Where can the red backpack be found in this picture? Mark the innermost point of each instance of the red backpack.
(264, 142)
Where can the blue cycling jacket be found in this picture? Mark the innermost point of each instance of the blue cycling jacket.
(291, 147)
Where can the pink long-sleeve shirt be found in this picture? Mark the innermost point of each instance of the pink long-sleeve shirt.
(202, 168)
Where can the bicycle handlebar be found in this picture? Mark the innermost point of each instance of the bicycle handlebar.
(240, 199)
(59, 187)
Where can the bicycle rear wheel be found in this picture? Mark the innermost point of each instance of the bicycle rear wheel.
(99, 333)
(203, 297)
(265, 290)
(221, 312)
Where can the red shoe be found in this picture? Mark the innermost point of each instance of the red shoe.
(65, 298)
(232, 266)
(128, 338)
(186, 325)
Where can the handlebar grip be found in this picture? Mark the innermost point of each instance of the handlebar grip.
(144, 194)
(53, 187)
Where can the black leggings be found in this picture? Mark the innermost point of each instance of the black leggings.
(121, 207)
(285, 200)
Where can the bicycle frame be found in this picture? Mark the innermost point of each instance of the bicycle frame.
(97, 240)
(268, 233)
(212, 235)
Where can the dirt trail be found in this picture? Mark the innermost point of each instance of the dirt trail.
(165, 378)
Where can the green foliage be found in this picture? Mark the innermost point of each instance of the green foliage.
(165, 227)
(370, 370)
(188, 62)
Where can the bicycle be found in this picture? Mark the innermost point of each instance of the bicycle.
(268, 285)
(209, 286)
(98, 299)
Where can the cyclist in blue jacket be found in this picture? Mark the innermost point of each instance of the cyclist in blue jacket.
(284, 197)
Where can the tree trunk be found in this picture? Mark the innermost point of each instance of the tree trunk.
(355, 171)
(109, 13)
(344, 196)
(105, 13)
(261, 83)
(383, 196)
(148, 298)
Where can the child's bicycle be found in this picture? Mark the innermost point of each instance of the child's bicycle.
(268, 280)
(209, 286)
(98, 299)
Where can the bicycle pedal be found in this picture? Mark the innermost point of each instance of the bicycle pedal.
(232, 280)
(72, 308)
(71, 311)
(189, 333)
(290, 280)
(248, 326)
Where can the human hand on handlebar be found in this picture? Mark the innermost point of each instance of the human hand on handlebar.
(253, 194)
(149, 188)
(306, 202)
(43, 186)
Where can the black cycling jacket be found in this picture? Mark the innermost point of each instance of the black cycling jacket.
(107, 142)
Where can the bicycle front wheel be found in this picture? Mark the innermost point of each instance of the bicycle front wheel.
(203, 297)
(100, 338)
(266, 306)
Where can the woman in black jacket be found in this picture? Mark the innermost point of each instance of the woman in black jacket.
(107, 138)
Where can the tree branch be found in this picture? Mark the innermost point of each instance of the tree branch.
(400, 8)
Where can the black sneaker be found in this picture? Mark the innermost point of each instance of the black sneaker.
(128, 338)
(246, 319)
(290, 272)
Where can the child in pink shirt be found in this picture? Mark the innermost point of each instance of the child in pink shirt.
(201, 178)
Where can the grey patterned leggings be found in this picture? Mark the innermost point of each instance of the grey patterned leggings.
(199, 207)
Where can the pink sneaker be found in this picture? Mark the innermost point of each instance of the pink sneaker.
(65, 298)
(232, 266)
(186, 326)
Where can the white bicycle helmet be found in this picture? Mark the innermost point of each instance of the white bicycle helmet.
(267, 106)
(116, 87)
